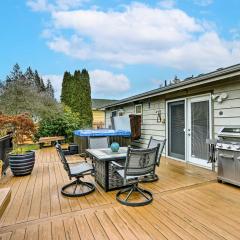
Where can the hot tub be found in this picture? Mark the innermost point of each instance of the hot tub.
(123, 137)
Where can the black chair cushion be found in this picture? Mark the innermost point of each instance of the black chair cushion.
(77, 169)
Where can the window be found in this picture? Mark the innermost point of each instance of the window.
(114, 113)
(138, 109)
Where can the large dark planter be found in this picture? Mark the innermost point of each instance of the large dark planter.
(22, 164)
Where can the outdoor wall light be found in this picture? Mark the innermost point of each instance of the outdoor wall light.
(214, 97)
(220, 98)
(149, 103)
(159, 117)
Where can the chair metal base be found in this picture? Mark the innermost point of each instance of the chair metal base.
(77, 183)
(150, 178)
(134, 188)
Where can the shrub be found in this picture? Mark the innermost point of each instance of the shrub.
(61, 125)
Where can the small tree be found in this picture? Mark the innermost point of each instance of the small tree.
(22, 127)
(15, 74)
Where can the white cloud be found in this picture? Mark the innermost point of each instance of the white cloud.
(140, 34)
(55, 5)
(104, 84)
(167, 3)
(203, 3)
(69, 4)
(40, 5)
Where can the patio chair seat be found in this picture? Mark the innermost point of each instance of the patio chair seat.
(121, 173)
(80, 168)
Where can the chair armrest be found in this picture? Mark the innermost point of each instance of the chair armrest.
(77, 162)
(117, 165)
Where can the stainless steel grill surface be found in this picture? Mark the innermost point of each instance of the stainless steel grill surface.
(228, 147)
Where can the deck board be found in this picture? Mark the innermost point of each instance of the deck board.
(188, 204)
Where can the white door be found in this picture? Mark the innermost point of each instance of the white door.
(198, 129)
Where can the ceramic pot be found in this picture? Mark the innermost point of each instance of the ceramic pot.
(22, 164)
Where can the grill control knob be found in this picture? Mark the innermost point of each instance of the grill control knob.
(219, 145)
(229, 147)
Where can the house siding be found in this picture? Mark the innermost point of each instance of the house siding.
(230, 107)
(98, 118)
(150, 127)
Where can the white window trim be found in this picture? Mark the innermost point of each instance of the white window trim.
(114, 111)
(137, 105)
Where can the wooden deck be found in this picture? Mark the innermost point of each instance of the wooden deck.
(188, 204)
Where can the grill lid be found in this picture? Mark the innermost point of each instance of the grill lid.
(230, 132)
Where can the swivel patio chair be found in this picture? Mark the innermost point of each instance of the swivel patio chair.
(154, 143)
(78, 171)
(139, 163)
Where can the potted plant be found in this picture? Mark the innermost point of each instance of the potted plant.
(21, 161)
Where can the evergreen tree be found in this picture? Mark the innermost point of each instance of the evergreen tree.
(49, 89)
(76, 89)
(30, 77)
(42, 85)
(39, 82)
(76, 93)
(66, 95)
(86, 106)
(15, 75)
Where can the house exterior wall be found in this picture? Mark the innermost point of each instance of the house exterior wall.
(230, 108)
(98, 118)
(150, 127)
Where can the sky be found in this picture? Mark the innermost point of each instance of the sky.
(128, 47)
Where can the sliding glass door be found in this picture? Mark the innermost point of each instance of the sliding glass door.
(198, 130)
(176, 127)
(189, 125)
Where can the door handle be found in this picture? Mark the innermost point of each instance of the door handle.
(226, 156)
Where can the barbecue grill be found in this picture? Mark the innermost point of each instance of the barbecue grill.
(228, 146)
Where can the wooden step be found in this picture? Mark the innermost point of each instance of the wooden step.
(5, 196)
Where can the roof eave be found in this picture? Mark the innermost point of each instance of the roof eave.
(212, 77)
